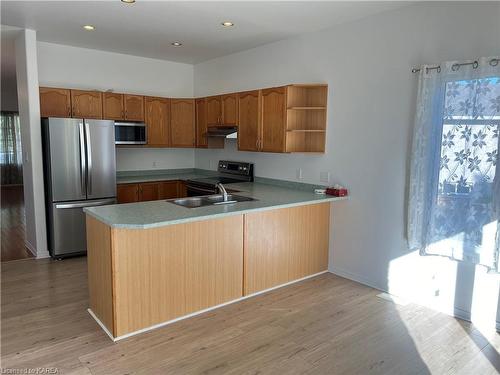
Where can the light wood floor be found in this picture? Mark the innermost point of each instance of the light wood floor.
(13, 224)
(325, 325)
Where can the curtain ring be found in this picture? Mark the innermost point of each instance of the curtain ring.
(426, 70)
(455, 67)
(438, 69)
(494, 62)
(475, 64)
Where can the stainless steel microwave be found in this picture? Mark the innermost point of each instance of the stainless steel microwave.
(130, 133)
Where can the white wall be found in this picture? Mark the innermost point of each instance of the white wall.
(72, 67)
(31, 138)
(370, 110)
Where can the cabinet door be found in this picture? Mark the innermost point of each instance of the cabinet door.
(127, 193)
(273, 119)
(230, 109)
(168, 189)
(201, 123)
(182, 123)
(149, 191)
(214, 110)
(55, 102)
(86, 104)
(249, 121)
(158, 121)
(134, 107)
(181, 189)
(112, 106)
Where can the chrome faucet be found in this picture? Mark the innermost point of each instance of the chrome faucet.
(222, 190)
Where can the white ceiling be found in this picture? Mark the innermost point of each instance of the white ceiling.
(147, 28)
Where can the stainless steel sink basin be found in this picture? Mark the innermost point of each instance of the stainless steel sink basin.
(209, 200)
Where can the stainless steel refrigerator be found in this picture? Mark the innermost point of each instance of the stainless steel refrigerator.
(80, 171)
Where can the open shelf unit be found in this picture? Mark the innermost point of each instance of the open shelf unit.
(306, 118)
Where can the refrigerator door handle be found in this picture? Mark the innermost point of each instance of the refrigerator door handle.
(85, 204)
(82, 158)
(89, 159)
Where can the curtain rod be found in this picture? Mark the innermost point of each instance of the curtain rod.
(455, 67)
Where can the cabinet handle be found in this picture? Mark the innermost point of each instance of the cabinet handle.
(257, 144)
(69, 111)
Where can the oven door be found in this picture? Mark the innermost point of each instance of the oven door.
(130, 133)
(195, 191)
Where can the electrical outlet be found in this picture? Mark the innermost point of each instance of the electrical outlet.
(324, 177)
(299, 174)
(155, 164)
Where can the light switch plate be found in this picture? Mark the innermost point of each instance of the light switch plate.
(299, 174)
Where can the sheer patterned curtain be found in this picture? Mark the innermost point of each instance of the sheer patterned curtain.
(10, 149)
(454, 192)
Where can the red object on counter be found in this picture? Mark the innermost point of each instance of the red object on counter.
(342, 192)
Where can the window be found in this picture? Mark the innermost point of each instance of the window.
(10, 149)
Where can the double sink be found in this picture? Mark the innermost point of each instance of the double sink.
(209, 200)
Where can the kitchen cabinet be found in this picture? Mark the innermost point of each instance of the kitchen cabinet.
(201, 123)
(285, 244)
(273, 120)
(181, 189)
(55, 102)
(112, 106)
(157, 121)
(169, 189)
(182, 122)
(249, 124)
(134, 107)
(149, 191)
(229, 109)
(214, 110)
(127, 193)
(86, 104)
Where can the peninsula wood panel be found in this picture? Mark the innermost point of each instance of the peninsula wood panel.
(55, 102)
(180, 269)
(182, 123)
(99, 263)
(112, 106)
(249, 121)
(284, 245)
(86, 104)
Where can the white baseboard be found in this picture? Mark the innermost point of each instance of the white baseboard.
(196, 312)
(37, 254)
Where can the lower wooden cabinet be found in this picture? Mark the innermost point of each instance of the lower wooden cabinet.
(284, 245)
(150, 191)
(127, 193)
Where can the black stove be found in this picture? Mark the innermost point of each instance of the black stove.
(229, 172)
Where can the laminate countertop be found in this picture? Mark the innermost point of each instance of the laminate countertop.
(269, 194)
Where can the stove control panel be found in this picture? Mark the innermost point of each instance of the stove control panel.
(236, 168)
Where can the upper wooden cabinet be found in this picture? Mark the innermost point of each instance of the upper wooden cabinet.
(249, 124)
(55, 102)
(201, 123)
(214, 110)
(182, 123)
(230, 109)
(273, 120)
(134, 107)
(158, 121)
(112, 106)
(86, 104)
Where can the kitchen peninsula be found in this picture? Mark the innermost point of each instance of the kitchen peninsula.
(152, 263)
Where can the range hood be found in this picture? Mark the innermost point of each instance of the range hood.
(222, 131)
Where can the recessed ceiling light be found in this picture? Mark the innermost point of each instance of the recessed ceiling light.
(89, 27)
(227, 24)
(128, 1)
(177, 44)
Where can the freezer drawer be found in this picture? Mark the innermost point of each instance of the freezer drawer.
(67, 234)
